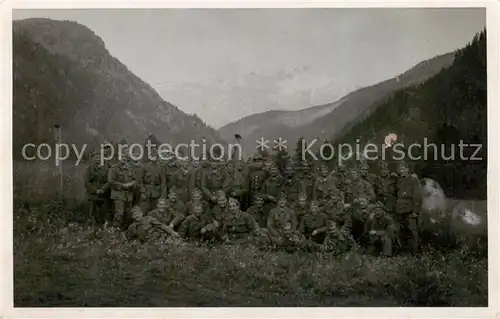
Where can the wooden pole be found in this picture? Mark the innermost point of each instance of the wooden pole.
(58, 140)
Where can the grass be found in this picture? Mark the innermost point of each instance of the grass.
(61, 262)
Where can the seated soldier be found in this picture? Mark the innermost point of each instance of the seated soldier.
(359, 215)
(218, 216)
(278, 216)
(258, 211)
(314, 223)
(381, 229)
(146, 228)
(170, 212)
(240, 227)
(337, 210)
(338, 240)
(193, 227)
(294, 240)
(196, 197)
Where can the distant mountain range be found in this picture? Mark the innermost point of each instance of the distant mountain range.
(325, 122)
(63, 74)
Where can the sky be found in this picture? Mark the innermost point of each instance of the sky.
(225, 64)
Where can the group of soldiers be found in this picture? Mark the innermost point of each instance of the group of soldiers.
(298, 205)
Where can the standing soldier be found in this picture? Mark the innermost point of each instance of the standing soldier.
(213, 181)
(408, 205)
(337, 211)
(386, 188)
(273, 185)
(381, 229)
(360, 188)
(121, 182)
(307, 178)
(323, 185)
(293, 185)
(97, 187)
(169, 167)
(300, 208)
(181, 181)
(256, 177)
(196, 176)
(151, 183)
(234, 183)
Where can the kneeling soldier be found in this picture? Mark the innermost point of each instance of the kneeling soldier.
(381, 229)
(146, 228)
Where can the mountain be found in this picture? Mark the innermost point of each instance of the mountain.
(447, 110)
(63, 74)
(326, 121)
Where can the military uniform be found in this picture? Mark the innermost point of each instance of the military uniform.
(151, 185)
(322, 188)
(386, 191)
(313, 224)
(98, 192)
(240, 228)
(148, 228)
(173, 214)
(359, 213)
(339, 241)
(259, 214)
(213, 181)
(272, 188)
(276, 221)
(408, 207)
(256, 178)
(293, 187)
(381, 229)
(234, 184)
(119, 176)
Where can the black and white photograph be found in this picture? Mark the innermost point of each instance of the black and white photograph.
(250, 157)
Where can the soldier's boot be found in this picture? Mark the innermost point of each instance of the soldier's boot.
(386, 246)
(118, 213)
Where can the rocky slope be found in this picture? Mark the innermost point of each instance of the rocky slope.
(63, 74)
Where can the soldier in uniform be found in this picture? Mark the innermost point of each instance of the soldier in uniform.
(314, 223)
(234, 183)
(386, 188)
(213, 181)
(256, 177)
(148, 228)
(323, 185)
(181, 182)
(360, 188)
(151, 183)
(240, 227)
(98, 193)
(300, 208)
(337, 211)
(258, 211)
(197, 221)
(171, 211)
(365, 174)
(408, 206)
(197, 198)
(360, 211)
(292, 185)
(381, 230)
(338, 240)
(277, 218)
(306, 177)
(121, 182)
(273, 185)
(218, 217)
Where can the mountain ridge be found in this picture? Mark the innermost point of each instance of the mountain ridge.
(63, 74)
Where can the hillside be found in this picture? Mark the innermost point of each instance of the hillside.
(63, 74)
(446, 109)
(327, 120)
